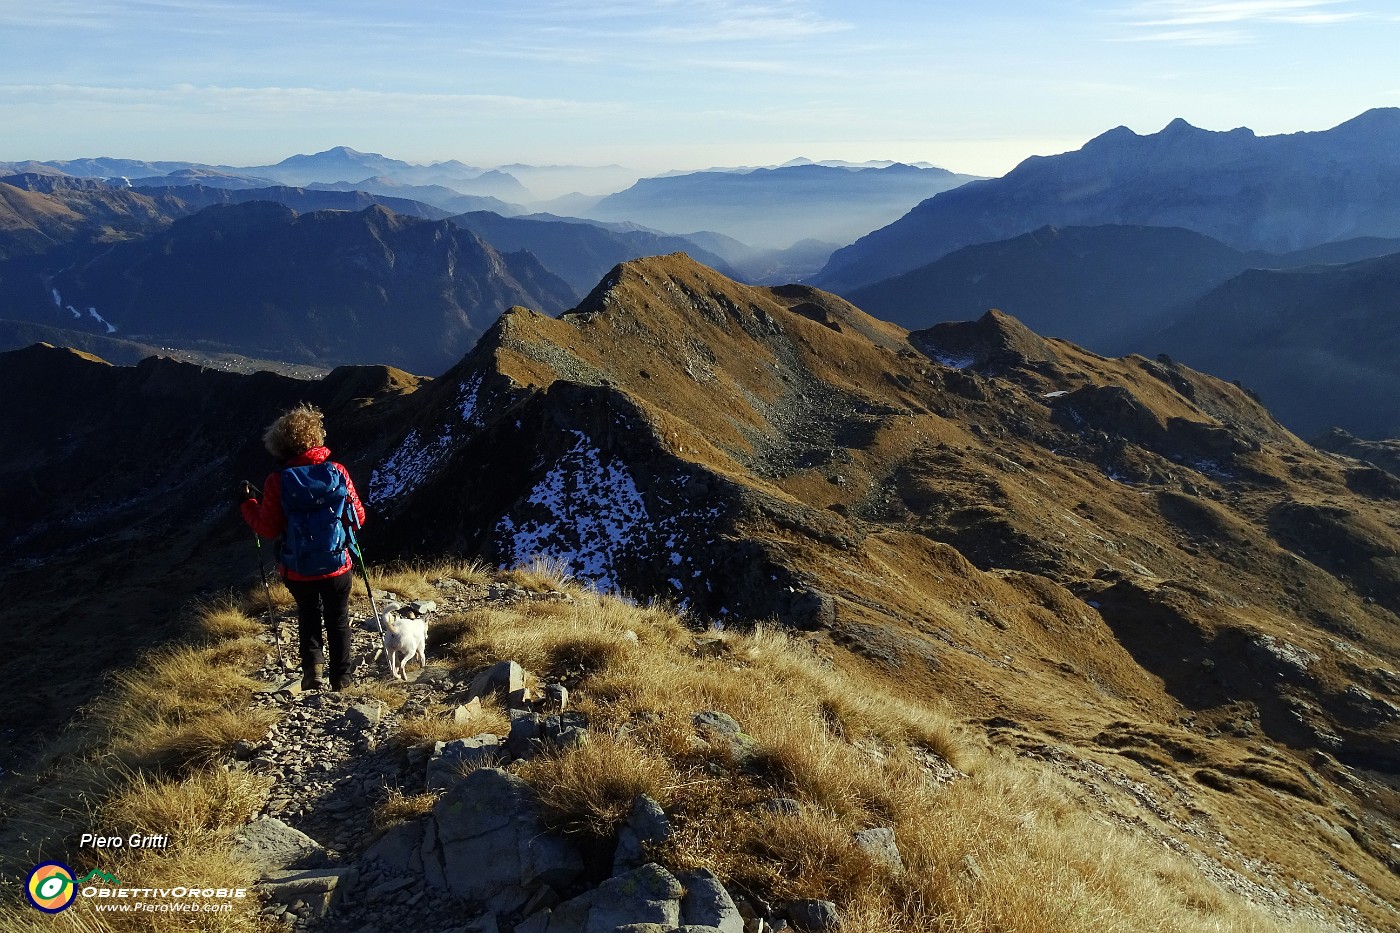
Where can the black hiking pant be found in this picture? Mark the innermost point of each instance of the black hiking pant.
(323, 620)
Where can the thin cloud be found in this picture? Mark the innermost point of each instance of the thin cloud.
(1192, 36)
(1230, 22)
(291, 99)
(749, 27)
(695, 21)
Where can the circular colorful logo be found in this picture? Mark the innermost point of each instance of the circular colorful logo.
(51, 887)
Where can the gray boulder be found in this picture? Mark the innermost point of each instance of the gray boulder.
(725, 730)
(646, 895)
(451, 759)
(505, 677)
(487, 838)
(271, 845)
(400, 849)
(880, 846)
(364, 715)
(707, 904)
(814, 916)
(317, 888)
(646, 824)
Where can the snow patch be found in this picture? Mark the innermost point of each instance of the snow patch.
(467, 400)
(78, 315)
(587, 515)
(411, 463)
(589, 512)
(954, 362)
(92, 313)
(416, 458)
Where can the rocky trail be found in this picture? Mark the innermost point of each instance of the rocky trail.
(333, 764)
(481, 860)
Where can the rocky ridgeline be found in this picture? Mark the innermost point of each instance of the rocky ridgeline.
(482, 860)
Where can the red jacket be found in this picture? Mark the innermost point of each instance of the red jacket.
(267, 519)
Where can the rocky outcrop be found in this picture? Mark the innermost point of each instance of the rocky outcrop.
(483, 841)
(994, 341)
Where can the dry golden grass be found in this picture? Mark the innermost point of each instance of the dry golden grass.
(1007, 848)
(189, 810)
(540, 575)
(142, 763)
(209, 864)
(444, 728)
(387, 692)
(407, 581)
(184, 706)
(400, 808)
(590, 789)
(470, 572)
(222, 621)
(255, 598)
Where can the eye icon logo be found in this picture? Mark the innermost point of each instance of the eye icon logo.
(51, 887)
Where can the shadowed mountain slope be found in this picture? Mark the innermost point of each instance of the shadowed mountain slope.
(194, 198)
(1100, 287)
(38, 212)
(1086, 284)
(1276, 193)
(1318, 344)
(449, 199)
(1384, 455)
(324, 287)
(1122, 569)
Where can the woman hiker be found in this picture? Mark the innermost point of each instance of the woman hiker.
(305, 505)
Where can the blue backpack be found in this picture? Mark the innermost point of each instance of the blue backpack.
(313, 500)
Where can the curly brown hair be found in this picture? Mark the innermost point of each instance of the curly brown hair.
(295, 432)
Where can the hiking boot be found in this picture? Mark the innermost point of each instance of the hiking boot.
(314, 678)
(342, 682)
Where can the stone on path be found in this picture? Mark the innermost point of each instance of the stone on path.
(453, 759)
(271, 845)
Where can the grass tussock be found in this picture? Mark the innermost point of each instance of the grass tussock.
(184, 707)
(400, 808)
(256, 598)
(444, 727)
(226, 621)
(540, 575)
(147, 759)
(588, 790)
(190, 810)
(419, 579)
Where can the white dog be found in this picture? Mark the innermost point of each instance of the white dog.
(405, 639)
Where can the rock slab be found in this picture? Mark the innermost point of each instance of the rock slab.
(272, 845)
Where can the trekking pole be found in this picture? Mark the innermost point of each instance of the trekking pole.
(359, 558)
(271, 612)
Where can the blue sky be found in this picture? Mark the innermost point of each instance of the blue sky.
(659, 84)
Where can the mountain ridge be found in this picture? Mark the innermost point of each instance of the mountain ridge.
(1276, 193)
